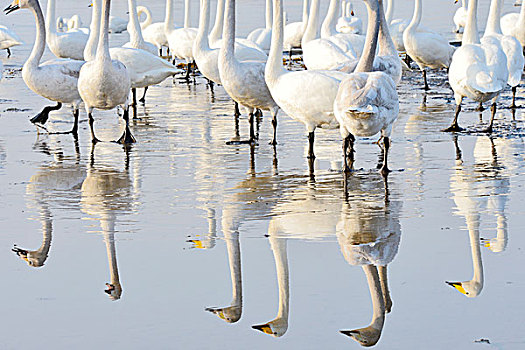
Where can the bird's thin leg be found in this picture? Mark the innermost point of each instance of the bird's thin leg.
(160, 51)
(425, 79)
(493, 115)
(348, 153)
(454, 126)
(143, 98)
(274, 124)
(311, 139)
(126, 138)
(237, 111)
(480, 107)
(94, 139)
(384, 168)
(513, 105)
(134, 94)
(252, 127)
(74, 131)
(8, 53)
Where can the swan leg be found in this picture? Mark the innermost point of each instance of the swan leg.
(134, 94)
(126, 138)
(42, 117)
(386, 144)
(252, 138)
(252, 127)
(480, 107)
(425, 79)
(94, 139)
(143, 98)
(311, 139)
(513, 105)
(458, 150)
(274, 112)
(237, 111)
(348, 153)
(493, 115)
(73, 131)
(408, 60)
(454, 126)
(8, 52)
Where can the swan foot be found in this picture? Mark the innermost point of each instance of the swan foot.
(480, 108)
(273, 142)
(143, 98)
(126, 138)
(454, 128)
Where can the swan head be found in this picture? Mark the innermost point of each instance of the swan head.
(470, 289)
(496, 245)
(16, 5)
(33, 258)
(367, 336)
(230, 314)
(113, 290)
(276, 328)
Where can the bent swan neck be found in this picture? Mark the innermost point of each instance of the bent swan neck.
(416, 17)
(40, 40)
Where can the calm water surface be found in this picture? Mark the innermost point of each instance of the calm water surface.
(198, 241)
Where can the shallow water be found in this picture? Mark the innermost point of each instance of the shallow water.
(185, 223)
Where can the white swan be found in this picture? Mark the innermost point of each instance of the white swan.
(117, 24)
(307, 96)
(63, 45)
(149, 19)
(244, 80)
(136, 40)
(155, 33)
(397, 26)
(510, 45)
(104, 83)
(426, 47)
(478, 70)
(351, 43)
(349, 23)
(367, 101)
(180, 40)
(293, 32)
(460, 17)
(262, 37)
(514, 24)
(75, 24)
(55, 80)
(8, 39)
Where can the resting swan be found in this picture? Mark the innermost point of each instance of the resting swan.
(55, 80)
(104, 83)
(478, 70)
(367, 101)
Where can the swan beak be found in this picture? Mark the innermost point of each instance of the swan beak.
(13, 7)
(197, 243)
(90, 5)
(456, 1)
(352, 13)
(265, 328)
(458, 286)
(350, 333)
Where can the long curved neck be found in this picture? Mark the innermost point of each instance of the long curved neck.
(103, 40)
(389, 11)
(268, 16)
(416, 17)
(283, 276)
(328, 27)
(376, 293)
(228, 33)
(274, 65)
(90, 51)
(40, 40)
(366, 62)
(47, 235)
(386, 44)
(201, 41)
(187, 9)
(234, 260)
(216, 32)
(135, 36)
(473, 228)
(311, 31)
(305, 13)
(493, 23)
(169, 20)
(108, 228)
(50, 17)
(144, 10)
(470, 33)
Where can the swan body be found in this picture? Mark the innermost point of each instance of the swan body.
(348, 23)
(293, 32)
(104, 83)
(353, 43)
(155, 33)
(180, 40)
(514, 24)
(426, 47)
(75, 24)
(63, 45)
(367, 101)
(117, 24)
(8, 39)
(460, 17)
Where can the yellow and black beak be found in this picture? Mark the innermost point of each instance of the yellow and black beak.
(352, 13)
(13, 7)
(458, 286)
(265, 328)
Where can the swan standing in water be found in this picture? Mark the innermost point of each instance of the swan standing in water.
(244, 80)
(514, 24)
(104, 83)
(55, 80)
(63, 45)
(510, 45)
(478, 69)
(8, 39)
(426, 47)
(367, 102)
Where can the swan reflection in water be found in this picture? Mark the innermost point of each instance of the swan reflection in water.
(54, 186)
(369, 233)
(106, 193)
(478, 188)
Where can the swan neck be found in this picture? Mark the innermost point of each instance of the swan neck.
(108, 226)
(228, 33)
(50, 17)
(268, 16)
(274, 65)
(234, 260)
(473, 228)
(328, 26)
(305, 12)
(47, 230)
(135, 36)
(366, 62)
(376, 294)
(103, 41)
(416, 17)
(216, 32)
(90, 51)
(493, 22)
(283, 275)
(390, 11)
(169, 20)
(40, 40)
(470, 33)
(386, 44)
(187, 9)
(201, 41)
(311, 31)
(502, 235)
